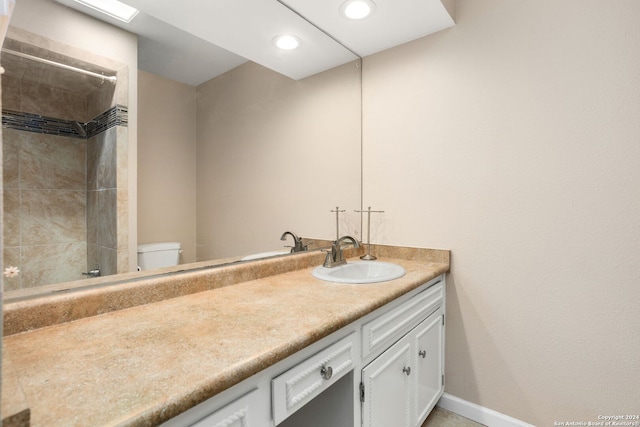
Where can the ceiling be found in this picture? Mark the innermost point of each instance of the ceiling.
(192, 41)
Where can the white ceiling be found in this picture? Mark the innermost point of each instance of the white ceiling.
(394, 22)
(192, 41)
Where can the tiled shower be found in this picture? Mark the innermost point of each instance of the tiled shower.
(64, 174)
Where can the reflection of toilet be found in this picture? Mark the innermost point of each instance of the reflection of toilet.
(157, 255)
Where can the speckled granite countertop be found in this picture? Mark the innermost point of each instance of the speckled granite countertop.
(145, 364)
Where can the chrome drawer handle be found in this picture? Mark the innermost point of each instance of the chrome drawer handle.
(326, 372)
(407, 370)
(422, 353)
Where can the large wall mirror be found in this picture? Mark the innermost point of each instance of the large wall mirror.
(272, 154)
(272, 140)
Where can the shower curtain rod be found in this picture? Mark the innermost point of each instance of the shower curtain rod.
(112, 79)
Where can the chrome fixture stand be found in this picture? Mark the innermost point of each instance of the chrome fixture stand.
(368, 256)
(337, 211)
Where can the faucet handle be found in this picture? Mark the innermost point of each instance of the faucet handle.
(328, 259)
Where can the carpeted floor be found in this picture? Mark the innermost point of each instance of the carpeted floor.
(442, 418)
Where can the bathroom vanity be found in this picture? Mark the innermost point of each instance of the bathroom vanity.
(390, 363)
(278, 347)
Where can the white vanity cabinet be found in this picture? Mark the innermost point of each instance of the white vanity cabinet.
(402, 385)
(385, 369)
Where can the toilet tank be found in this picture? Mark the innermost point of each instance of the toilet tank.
(157, 255)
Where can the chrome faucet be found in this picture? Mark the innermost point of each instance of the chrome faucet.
(93, 273)
(335, 257)
(297, 242)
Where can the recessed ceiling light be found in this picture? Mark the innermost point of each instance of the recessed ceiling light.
(113, 8)
(287, 42)
(357, 9)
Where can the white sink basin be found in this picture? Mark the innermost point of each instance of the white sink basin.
(360, 272)
(264, 255)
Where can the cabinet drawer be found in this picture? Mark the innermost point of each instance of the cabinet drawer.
(386, 329)
(235, 414)
(297, 386)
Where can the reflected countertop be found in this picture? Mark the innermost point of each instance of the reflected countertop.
(146, 363)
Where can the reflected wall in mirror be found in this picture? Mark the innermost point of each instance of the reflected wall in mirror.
(268, 154)
(225, 167)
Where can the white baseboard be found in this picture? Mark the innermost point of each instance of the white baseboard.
(478, 413)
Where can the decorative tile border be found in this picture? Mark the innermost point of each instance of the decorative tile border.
(39, 124)
(116, 116)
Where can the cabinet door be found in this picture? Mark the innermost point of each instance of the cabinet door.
(427, 357)
(387, 382)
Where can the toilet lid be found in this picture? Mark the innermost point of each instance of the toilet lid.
(161, 246)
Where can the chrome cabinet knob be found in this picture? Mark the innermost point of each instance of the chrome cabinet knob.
(422, 353)
(407, 370)
(326, 372)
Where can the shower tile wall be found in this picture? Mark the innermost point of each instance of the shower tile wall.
(44, 207)
(44, 99)
(107, 202)
(60, 220)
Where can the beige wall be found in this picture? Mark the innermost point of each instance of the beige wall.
(264, 144)
(97, 40)
(275, 154)
(513, 139)
(167, 163)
